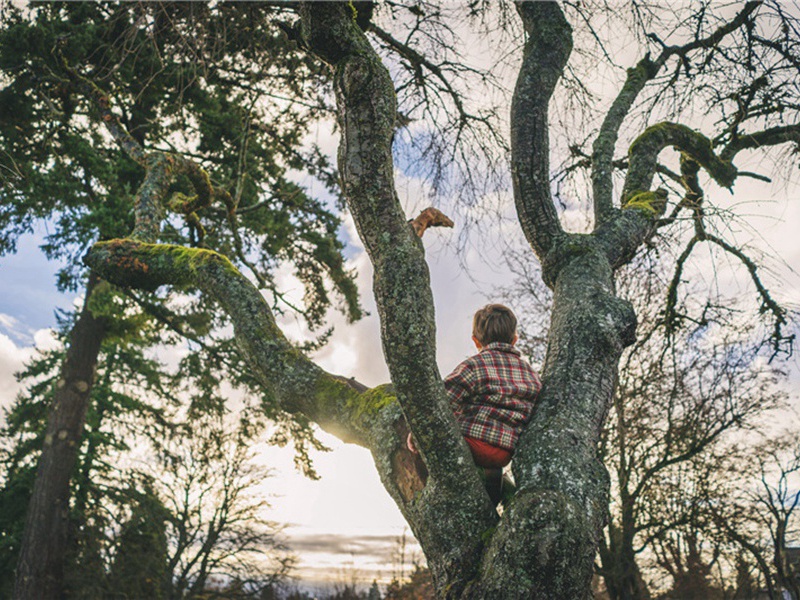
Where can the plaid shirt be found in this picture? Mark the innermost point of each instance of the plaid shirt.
(492, 394)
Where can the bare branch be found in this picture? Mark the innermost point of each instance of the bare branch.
(418, 59)
(768, 304)
(768, 137)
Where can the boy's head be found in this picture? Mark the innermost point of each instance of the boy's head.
(494, 323)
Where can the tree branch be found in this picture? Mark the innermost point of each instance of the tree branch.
(418, 59)
(545, 54)
(605, 143)
(637, 78)
(768, 137)
(297, 383)
(644, 151)
(430, 217)
(161, 168)
(768, 304)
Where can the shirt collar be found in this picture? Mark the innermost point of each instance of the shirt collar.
(501, 347)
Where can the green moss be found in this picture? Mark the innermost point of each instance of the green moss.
(649, 203)
(147, 266)
(487, 534)
(576, 248)
(371, 402)
(103, 301)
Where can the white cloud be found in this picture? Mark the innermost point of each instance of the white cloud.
(13, 359)
(14, 328)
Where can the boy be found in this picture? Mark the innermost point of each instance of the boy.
(492, 394)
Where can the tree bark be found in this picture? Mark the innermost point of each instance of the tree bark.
(40, 570)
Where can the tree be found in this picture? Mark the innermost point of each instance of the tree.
(544, 544)
(56, 168)
(674, 440)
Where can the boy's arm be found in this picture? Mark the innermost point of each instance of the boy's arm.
(460, 383)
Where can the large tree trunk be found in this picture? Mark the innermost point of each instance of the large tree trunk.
(544, 546)
(40, 570)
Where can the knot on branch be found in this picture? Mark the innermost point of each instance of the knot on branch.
(330, 29)
(363, 10)
(562, 252)
(645, 69)
(430, 217)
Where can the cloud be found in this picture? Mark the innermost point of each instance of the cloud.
(16, 350)
(12, 359)
(14, 328)
(332, 558)
(382, 546)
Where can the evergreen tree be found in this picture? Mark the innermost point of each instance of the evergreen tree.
(193, 77)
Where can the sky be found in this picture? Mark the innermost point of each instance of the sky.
(346, 521)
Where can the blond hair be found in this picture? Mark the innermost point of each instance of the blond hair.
(494, 323)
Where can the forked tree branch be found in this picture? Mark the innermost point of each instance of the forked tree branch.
(366, 114)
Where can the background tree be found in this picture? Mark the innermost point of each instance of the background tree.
(153, 512)
(58, 169)
(761, 519)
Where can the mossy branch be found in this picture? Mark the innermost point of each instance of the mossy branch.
(366, 114)
(651, 204)
(605, 143)
(644, 151)
(338, 405)
(637, 77)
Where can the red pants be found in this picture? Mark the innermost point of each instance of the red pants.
(488, 456)
(485, 455)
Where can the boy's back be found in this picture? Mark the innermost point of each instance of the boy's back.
(492, 394)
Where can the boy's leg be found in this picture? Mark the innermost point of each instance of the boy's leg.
(507, 490)
(493, 481)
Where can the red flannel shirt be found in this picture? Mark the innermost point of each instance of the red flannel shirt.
(492, 394)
